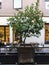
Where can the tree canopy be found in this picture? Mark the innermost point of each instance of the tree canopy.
(28, 22)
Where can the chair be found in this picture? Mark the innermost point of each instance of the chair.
(25, 55)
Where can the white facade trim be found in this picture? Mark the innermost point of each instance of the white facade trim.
(11, 35)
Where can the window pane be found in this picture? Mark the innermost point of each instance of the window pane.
(17, 4)
(47, 4)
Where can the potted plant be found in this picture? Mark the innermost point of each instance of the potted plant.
(28, 22)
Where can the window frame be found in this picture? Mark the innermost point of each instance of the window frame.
(18, 2)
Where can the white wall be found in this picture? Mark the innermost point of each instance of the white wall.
(3, 20)
(41, 39)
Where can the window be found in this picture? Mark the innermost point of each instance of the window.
(17, 4)
(5, 31)
(47, 4)
(46, 33)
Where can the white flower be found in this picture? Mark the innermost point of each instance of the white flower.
(18, 17)
(33, 21)
(21, 20)
(27, 18)
(15, 19)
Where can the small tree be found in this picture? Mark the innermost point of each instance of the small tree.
(28, 23)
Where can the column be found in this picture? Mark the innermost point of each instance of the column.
(11, 35)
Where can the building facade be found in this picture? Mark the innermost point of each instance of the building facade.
(9, 7)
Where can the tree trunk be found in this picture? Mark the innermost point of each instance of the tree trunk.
(24, 40)
(20, 39)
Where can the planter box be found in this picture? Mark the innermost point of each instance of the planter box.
(8, 58)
